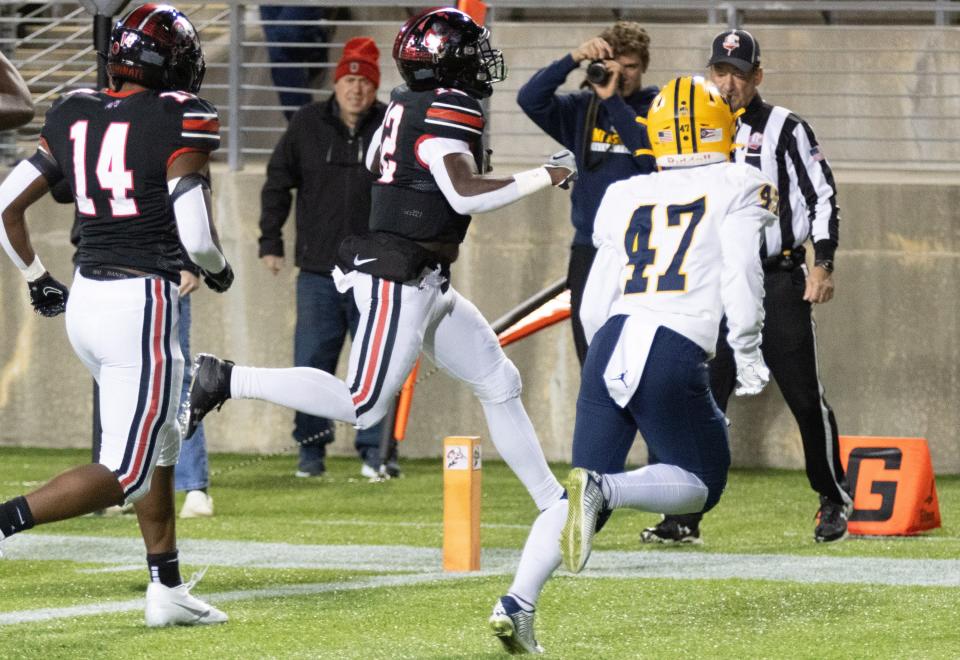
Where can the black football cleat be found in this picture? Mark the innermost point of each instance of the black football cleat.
(209, 388)
(831, 521)
(674, 529)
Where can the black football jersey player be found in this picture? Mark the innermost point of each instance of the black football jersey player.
(448, 65)
(406, 200)
(113, 148)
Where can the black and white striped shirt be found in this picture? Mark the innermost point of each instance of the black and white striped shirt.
(784, 147)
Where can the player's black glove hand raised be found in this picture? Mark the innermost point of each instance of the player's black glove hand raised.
(48, 296)
(221, 281)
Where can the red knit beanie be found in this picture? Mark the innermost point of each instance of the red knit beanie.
(360, 56)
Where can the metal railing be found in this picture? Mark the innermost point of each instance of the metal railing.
(884, 95)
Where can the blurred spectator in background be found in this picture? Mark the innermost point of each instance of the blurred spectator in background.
(321, 156)
(295, 44)
(599, 125)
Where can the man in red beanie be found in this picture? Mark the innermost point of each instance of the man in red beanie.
(321, 155)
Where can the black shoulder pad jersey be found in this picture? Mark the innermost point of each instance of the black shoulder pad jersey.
(406, 199)
(114, 149)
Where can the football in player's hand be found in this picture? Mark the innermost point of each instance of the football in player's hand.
(48, 296)
(221, 281)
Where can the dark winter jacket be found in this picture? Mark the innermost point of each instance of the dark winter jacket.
(323, 160)
(616, 136)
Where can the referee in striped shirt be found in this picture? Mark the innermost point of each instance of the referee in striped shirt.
(784, 147)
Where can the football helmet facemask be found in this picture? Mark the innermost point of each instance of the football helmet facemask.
(156, 46)
(446, 48)
(689, 123)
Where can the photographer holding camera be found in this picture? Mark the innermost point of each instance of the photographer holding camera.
(599, 124)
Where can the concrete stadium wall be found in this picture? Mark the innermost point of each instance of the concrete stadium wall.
(888, 349)
(888, 353)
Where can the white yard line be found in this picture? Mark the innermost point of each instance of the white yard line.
(416, 525)
(47, 614)
(419, 565)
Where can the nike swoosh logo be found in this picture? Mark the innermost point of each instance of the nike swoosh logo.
(49, 290)
(193, 611)
(357, 261)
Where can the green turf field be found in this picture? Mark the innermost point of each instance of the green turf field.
(341, 568)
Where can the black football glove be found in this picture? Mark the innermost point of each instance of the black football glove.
(48, 296)
(221, 281)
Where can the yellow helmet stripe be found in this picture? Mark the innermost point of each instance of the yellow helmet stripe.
(676, 113)
(690, 117)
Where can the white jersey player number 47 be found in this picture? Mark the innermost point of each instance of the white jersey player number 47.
(650, 237)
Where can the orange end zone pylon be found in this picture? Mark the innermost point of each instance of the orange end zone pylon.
(475, 9)
(461, 503)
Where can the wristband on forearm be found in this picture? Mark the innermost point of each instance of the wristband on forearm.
(530, 181)
(34, 271)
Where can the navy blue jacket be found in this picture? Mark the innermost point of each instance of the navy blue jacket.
(617, 136)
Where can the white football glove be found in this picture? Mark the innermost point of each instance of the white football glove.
(752, 373)
(564, 159)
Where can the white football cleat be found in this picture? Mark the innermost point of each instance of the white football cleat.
(586, 504)
(513, 626)
(176, 607)
(197, 504)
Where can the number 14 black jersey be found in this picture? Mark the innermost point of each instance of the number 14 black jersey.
(406, 200)
(114, 148)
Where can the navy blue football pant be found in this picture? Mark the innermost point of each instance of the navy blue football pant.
(672, 408)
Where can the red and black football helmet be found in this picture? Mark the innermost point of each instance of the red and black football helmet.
(156, 46)
(444, 47)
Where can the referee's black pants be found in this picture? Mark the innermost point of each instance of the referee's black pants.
(790, 350)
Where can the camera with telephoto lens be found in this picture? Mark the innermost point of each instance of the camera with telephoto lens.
(597, 73)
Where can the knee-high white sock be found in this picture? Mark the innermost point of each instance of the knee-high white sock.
(310, 391)
(541, 555)
(516, 441)
(659, 488)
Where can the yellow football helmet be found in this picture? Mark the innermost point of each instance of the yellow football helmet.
(690, 123)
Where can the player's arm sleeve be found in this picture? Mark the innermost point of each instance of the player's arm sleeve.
(555, 114)
(283, 175)
(431, 153)
(13, 233)
(814, 179)
(631, 128)
(190, 197)
(741, 284)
